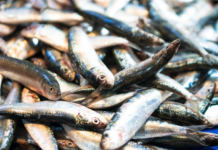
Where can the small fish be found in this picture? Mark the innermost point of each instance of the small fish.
(133, 34)
(138, 109)
(38, 62)
(114, 6)
(58, 111)
(3, 46)
(181, 114)
(181, 141)
(87, 61)
(36, 78)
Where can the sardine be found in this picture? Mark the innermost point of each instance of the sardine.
(133, 34)
(59, 111)
(86, 59)
(37, 79)
(181, 114)
(122, 127)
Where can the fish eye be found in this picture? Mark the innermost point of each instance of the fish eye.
(95, 121)
(69, 144)
(51, 89)
(101, 77)
(65, 69)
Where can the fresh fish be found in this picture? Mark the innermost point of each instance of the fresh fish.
(3, 46)
(138, 10)
(212, 115)
(8, 125)
(155, 127)
(57, 16)
(181, 141)
(181, 114)
(190, 64)
(146, 69)
(133, 34)
(103, 102)
(136, 109)
(86, 59)
(6, 29)
(37, 79)
(13, 15)
(59, 111)
(106, 114)
(48, 34)
(56, 63)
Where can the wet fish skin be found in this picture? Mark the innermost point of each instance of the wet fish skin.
(181, 114)
(114, 6)
(86, 59)
(56, 63)
(48, 34)
(146, 69)
(103, 102)
(58, 111)
(3, 46)
(37, 79)
(106, 114)
(138, 109)
(8, 125)
(133, 34)
(190, 64)
(125, 57)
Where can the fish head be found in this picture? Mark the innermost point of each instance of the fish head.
(66, 144)
(206, 121)
(67, 73)
(97, 120)
(105, 77)
(110, 140)
(51, 89)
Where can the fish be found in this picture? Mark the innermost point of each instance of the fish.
(55, 111)
(38, 62)
(181, 141)
(155, 127)
(87, 61)
(133, 34)
(37, 79)
(138, 109)
(3, 46)
(56, 63)
(181, 114)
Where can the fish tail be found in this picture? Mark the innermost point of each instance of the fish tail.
(191, 134)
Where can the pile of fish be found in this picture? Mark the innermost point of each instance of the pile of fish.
(108, 74)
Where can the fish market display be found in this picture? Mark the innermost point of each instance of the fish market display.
(108, 74)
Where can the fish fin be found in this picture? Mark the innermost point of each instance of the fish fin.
(194, 105)
(134, 46)
(95, 94)
(190, 134)
(197, 127)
